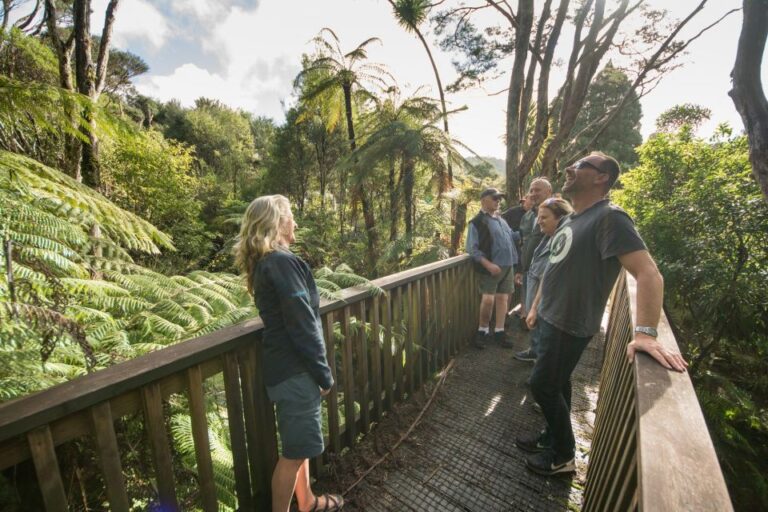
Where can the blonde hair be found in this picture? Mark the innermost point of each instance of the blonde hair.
(558, 206)
(259, 233)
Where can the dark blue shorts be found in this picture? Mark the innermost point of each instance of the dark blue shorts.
(298, 416)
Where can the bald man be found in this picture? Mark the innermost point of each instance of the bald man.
(587, 252)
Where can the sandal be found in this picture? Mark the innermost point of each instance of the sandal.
(333, 502)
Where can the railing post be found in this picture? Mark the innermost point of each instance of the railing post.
(47, 469)
(109, 456)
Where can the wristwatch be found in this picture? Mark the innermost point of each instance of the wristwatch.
(650, 331)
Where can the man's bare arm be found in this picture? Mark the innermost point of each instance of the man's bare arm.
(650, 295)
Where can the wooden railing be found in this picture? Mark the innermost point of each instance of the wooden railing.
(412, 330)
(651, 449)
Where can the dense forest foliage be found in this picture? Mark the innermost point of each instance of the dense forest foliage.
(118, 212)
(705, 221)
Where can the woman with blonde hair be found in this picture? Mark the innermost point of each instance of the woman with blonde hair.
(294, 364)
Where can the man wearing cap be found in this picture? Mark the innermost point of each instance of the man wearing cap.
(587, 252)
(491, 243)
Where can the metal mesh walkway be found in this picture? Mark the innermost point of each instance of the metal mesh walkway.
(462, 456)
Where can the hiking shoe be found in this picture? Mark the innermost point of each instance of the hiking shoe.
(526, 355)
(548, 464)
(534, 443)
(479, 340)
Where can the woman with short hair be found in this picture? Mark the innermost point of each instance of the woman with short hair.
(294, 365)
(551, 214)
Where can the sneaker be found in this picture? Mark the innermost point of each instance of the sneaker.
(500, 338)
(525, 355)
(479, 340)
(546, 463)
(534, 443)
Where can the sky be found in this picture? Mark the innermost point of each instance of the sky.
(246, 53)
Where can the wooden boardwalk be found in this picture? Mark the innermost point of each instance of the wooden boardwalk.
(462, 455)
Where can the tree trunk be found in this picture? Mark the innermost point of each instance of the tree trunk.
(541, 129)
(95, 233)
(527, 97)
(458, 231)
(359, 192)
(70, 163)
(392, 202)
(90, 79)
(86, 85)
(592, 51)
(747, 93)
(516, 81)
(408, 184)
(6, 14)
(662, 55)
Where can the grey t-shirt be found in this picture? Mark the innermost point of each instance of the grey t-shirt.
(583, 266)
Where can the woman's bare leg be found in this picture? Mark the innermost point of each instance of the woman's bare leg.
(304, 495)
(284, 481)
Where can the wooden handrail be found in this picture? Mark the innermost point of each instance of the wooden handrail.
(411, 331)
(24, 414)
(651, 449)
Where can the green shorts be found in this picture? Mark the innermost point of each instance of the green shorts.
(502, 283)
(298, 416)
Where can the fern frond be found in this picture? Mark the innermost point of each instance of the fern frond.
(175, 313)
(122, 306)
(92, 287)
(201, 314)
(21, 239)
(219, 302)
(327, 289)
(59, 194)
(168, 331)
(60, 265)
(227, 319)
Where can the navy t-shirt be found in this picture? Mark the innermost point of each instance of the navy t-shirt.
(583, 267)
(289, 305)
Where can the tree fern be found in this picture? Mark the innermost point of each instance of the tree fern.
(63, 310)
(62, 196)
(221, 455)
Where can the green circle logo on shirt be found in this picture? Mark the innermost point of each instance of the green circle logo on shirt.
(561, 244)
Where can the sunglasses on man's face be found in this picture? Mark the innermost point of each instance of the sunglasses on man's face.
(583, 164)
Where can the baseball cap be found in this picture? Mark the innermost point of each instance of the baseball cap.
(496, 193)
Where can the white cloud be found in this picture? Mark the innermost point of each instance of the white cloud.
(258, 52)
(201, 9)
(135, 21)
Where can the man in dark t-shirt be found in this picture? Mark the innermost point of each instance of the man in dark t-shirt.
(587, 252)
(514, 214)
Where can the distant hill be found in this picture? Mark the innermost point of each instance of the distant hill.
(498, 164)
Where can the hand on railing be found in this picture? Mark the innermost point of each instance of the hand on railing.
(652, 347)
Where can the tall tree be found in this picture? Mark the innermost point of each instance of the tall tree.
(222, 138)
(411, 14)
(347, 71)
(747, 93)
(622, 135)
(401, 132)
(91, 77)
(595, 28)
